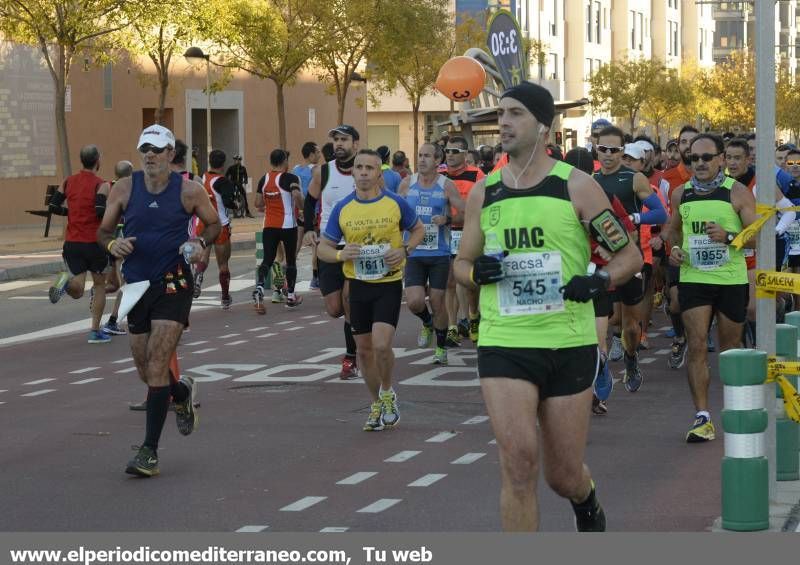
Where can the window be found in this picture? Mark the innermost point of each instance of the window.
(640, 31)
(108, 91)
(597, 22)
(632, 26)
(552, 71)
(589, 21)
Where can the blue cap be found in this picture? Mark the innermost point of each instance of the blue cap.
(600, 124)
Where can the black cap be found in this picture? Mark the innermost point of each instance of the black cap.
(384, 152)
(345, 130)
(278, 157)
(237, 157)
(536, 99)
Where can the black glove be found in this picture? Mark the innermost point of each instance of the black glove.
(487, 270)
(582, 288)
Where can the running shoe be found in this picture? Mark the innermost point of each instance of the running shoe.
(603, 383)
(701, 431)
(198, 285)
(599, 407)
(226, 302)
(710, 345)
(349, 368)
(474, 324)
(59, 287)
(374, 421)
(390, 411)
(670, 332)
(98, 336)
(632, 379)
(144, 463)
(138, 406)
(658, 300)
(677, 357)
(113, 329)
(616, 351)
(463, 327)
(440, 356)
(277, 297)
(314, 285)
(293, 300)
(425, 336)
(185, 414)
(453, 339)
(644, 345)
(258, 301)
(589, 515)
(278, 278)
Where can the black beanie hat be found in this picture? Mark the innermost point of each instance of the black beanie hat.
(536, 99)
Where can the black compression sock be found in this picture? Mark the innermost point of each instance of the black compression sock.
(349, 342)
(178, 391)
(441, 337)
(677, 325)
(425, 316)
(157, 406)
(112, 319)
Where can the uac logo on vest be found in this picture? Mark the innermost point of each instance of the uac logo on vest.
(516, 238)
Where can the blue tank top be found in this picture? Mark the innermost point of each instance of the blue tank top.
(430, 202)
(158, 222)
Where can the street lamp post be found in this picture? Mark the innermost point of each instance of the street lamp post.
(193, 55)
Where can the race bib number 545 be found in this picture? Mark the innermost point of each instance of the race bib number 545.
(531, 284)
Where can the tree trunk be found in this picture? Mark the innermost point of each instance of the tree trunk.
(633, 124)
(163, 86)
(60, 81)
(281, 116)
(415, 111)
(341, 98)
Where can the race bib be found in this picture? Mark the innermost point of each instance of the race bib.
(455, 241)
(793, 237)
(431, 240)
(705, 254)
(370, 265)
(531, 284)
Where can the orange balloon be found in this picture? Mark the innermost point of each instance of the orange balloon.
(461, 79)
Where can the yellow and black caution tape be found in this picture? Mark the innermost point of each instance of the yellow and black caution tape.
(765, 213)
(770, 282)
(776, 371)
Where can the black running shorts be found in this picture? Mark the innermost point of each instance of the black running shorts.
(158, 304)
(81, 257)
(632, 292)
(555, 372)
(374, 302)
(421, 270)
(603, 307)
(331, 277)
(729, 299)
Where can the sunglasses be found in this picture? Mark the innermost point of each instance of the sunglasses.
(147, 148)
(607, 149)
(454, 151)
(793, 163)
(705, 157)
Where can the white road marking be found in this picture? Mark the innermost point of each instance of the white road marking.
(380, 505)
(646, 360)
(86, 381)
(318, 322)
(467, 458)
(334, 530)
(257, 329)
(28, 298)
(402, 456)
(265, 335)
(441, 437)
(86, 370)
(2, 402)
(228, 336)
(251, 529)
(201, 342)
(128, 370)
(493, 442)
(357, 478)
(39, 392)
(303, 503)
(238, 342)
(311, 316)
(294, 329)
(665, 328)
(235, 286)
(427, 480)
(653, 334)
(662, 351)
(283, 323)
(121, 361)
(204, 350)
(4, 390)
(38, 382)
(476, 420)
(14, 285)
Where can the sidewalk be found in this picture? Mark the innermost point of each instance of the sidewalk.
(25, 252)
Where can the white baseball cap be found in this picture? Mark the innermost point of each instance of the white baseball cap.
(156, 135)
(645, 145)
(634, 150)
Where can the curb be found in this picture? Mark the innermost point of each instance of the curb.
(793, 521)
(53, 267)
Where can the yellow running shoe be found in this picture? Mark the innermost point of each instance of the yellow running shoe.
(701, 431)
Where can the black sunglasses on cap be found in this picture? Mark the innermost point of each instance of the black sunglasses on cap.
(454, 151)
(147, 148)
(705, 157)
(608, 149)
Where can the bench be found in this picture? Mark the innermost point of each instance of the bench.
(51, 190)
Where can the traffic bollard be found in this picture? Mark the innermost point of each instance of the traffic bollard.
(787, 433)
(745, 470)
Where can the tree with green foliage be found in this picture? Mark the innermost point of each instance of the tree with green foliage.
(669, 103)
(787, 103)
(60, 29)
(622, 87)
(727, 93)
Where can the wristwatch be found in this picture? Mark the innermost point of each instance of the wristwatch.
(605, 276)
(730, 236)
(201, 241)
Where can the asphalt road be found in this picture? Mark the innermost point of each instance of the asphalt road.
(280, 446)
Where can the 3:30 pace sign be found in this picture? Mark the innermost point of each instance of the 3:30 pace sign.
(504, 41)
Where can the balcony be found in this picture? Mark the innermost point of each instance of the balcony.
(742, 13)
